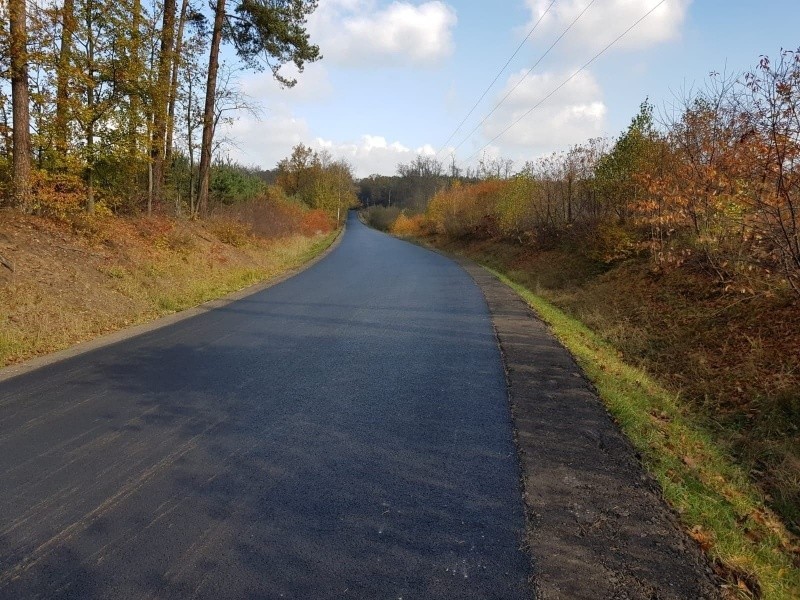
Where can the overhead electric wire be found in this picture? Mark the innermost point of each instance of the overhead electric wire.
(496, 77)
(524, 77)
(565, 82)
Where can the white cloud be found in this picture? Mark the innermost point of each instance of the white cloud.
(360, 33)
(572, 115)
(372, 153)
(606, 19)
(265, 141)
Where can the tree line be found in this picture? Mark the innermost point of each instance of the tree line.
(119, 100)
(713, 181)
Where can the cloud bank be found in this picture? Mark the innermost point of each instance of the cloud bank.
(358, 33)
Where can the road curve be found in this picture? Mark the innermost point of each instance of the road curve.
(343, 434)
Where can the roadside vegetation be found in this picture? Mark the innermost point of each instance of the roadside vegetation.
(78, 277)
(117, 202)
(722, 510)
(668, 261)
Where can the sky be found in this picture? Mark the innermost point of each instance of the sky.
(397, 77)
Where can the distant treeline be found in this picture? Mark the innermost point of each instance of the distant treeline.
(715, 183)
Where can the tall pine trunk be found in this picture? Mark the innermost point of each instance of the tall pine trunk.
(204, 174)
(134, 89)
(161, 100)
(173, 88)
(20, 99)
(90, 104)
(62, 78)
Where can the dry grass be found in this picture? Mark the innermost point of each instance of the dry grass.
(70, 286)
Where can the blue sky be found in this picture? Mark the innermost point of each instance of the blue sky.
(398, 76)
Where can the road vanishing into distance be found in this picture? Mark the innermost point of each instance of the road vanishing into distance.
(345, 433)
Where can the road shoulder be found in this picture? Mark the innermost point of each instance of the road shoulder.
(597, 524)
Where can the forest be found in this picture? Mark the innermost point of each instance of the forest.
(116, 107)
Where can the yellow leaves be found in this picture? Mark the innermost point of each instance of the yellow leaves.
(57, 195)
(408, 226)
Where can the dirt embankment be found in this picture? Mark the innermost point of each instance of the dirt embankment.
(73, 282)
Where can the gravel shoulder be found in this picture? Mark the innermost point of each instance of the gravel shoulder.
(597, 525)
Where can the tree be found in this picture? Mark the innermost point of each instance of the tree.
(774, 90)
(317, 180)
(173, 88)
(161, 99)
(21, 137)
(615, 174)
(420, 179)
(264, 32)
(62, 76)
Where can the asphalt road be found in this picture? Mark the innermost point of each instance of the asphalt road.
(343, 434)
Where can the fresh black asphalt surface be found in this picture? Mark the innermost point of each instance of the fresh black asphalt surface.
(344, 434)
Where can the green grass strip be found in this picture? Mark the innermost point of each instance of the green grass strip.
(716, 502)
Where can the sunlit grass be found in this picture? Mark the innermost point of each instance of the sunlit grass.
(717, 504)
(171, 280)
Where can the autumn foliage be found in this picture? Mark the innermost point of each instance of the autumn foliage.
(717, 187)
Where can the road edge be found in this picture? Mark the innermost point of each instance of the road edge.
(597, 524)
(126, 333)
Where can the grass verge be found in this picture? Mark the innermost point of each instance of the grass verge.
(285, 256)
(720, 508)
(56, 302)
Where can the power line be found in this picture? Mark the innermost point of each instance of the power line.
(566, 81)
(524, 77)
(486, 91)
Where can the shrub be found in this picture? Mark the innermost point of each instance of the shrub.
(229, 231)
(316, 221)
(412, 226)
(381, 217)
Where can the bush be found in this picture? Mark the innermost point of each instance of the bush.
(381, 217)
(467, 209)
(409, 226)
(229, 231)
(58, 195)
(316, 221)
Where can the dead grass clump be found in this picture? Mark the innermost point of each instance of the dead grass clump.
(229, 231)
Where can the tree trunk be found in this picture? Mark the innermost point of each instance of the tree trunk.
(173, 88)
(190, 143)
(161, 99)
(21, 137)
(208, 110)
(90, 103)
(62, 78)
(90, 170)
(134, 91)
